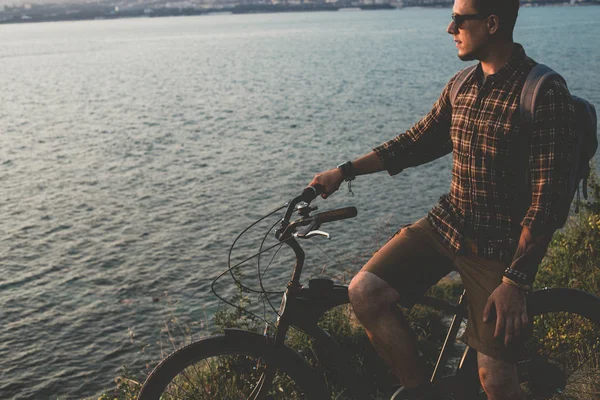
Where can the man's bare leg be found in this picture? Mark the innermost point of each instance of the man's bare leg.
(499, 379)
(374, 303)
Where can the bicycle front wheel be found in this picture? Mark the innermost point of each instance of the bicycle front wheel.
(564, 350)
(231, 368)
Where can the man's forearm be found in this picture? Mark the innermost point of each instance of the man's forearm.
(367, 164)
(530, 252)
(332, 178)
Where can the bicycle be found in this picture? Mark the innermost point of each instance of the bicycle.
(240, 364)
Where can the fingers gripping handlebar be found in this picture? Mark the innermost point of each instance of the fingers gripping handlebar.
(308, 195)
(311, 192)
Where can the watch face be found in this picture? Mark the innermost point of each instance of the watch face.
(347, 170)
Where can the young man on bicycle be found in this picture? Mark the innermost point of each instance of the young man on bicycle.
(483, 228)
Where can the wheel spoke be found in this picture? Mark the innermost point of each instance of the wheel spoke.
(198, 375)
(232, 377)
(174, 396)
(188, 379)
(179, 387)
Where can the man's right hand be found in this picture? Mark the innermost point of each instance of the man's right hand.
(333, 178)
(330, 180)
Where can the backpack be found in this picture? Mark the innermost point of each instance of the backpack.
(586, 141)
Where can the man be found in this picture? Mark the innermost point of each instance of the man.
(488, 228)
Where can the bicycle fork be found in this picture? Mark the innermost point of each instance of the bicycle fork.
(265, 382)
(466, 375)
(452, 333)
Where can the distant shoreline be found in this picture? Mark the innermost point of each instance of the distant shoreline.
(108, 13)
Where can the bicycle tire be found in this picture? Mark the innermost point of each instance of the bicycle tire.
(228, 367)
(565, 346)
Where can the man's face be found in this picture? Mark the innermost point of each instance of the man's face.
(471, 34)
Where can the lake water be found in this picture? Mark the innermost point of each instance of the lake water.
(133, 151)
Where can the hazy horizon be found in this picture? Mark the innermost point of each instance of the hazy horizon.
(23, 2)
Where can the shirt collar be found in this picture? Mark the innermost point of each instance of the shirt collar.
(514, 62)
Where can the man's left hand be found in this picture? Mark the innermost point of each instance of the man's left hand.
(511, 312)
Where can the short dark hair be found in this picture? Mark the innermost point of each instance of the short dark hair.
(506, 10)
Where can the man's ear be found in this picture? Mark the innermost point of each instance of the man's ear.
(493, 24)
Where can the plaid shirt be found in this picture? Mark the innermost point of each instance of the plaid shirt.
(482, 131)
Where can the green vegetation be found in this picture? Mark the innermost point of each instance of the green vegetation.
(573, 260)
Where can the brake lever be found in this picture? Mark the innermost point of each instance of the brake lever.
(310, 234)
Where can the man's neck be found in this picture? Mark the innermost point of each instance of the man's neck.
(497, 56)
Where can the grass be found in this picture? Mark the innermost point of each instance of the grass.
(573, 260)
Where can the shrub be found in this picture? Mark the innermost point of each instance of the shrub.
(573, 260)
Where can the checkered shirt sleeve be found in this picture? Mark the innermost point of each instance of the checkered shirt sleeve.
(550, 161)
(426, 141)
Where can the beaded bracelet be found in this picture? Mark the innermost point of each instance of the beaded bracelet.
(518, 277)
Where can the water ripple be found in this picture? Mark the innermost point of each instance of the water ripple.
(133, 152)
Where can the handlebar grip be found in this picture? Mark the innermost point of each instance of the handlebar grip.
(311, 193)
(336, 215)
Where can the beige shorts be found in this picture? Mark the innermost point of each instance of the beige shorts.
(415, 259)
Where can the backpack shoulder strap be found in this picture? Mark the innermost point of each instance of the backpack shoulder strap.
(459, 82)
(532, 89)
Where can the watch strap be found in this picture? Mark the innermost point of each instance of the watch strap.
(348, 172)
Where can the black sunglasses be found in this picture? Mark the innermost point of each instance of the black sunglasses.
(460, 19)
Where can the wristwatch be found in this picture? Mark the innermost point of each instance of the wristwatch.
(348, 172)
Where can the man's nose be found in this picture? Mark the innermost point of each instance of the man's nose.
(451, 29)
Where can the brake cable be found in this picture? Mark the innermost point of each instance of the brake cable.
(244, 288)
(237, 281)
(230, 268)
(260, 276)
(240, 285)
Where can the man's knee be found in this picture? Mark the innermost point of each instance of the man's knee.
(499, 379)
(369, 294)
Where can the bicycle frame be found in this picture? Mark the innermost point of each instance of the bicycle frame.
(302, 307)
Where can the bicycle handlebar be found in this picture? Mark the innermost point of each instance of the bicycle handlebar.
(308, 195)
(336, 215)
(287, 231)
